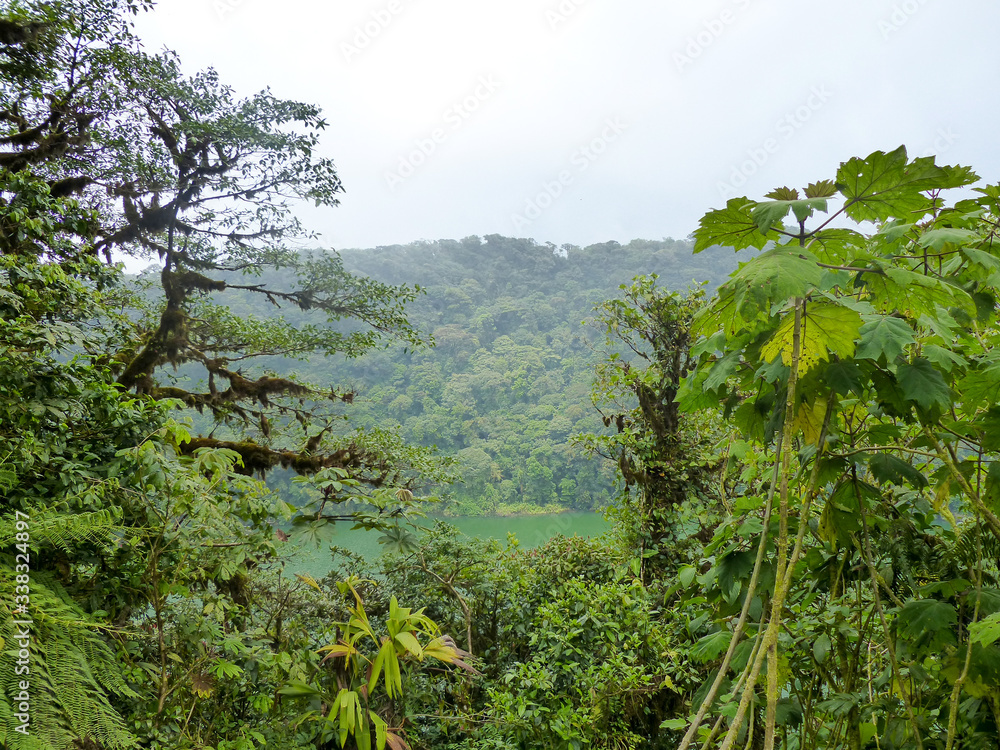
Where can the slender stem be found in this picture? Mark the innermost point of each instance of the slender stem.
(991, 519)
(769, 646)
(744, 612)
(736, 688)
(866, 552)
(781, 588)
(957, 690)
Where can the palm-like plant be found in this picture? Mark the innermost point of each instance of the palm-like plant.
(350, 711)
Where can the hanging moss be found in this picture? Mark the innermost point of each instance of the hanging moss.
(258, 459)
(184, 282)
(259, 390)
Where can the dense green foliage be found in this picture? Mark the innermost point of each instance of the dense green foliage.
(507, 385)
(806, 547)
(136, 549)
(835, 583)
(862, 367)
(667, 464)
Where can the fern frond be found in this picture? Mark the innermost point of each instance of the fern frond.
(61, 530)
(73, 674)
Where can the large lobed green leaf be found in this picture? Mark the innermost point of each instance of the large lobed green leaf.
(886, 185)
(824, 328)
(733, 226)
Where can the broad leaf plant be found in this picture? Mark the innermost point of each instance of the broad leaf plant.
(858, 350)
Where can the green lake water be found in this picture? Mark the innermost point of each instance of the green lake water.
(531, 531)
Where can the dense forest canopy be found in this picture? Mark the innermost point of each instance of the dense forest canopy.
(505, 390)
(806, 541)
(507, 387)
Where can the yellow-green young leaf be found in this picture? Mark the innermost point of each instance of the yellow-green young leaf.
(397, 616)
(308, 580)
(335, 650)
(350, 706)
(297, 689)
(809, 418)
(338, 709)
(379, 663)
(380, 730)
(393, 681)
(942, 502)
(444, 649)
(986, 632)
(821, 189)
(783, 194)
(825, 328)
(409, 643)
(362, 734)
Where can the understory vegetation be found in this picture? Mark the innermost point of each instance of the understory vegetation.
(802, 464)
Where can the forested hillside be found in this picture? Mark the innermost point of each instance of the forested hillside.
(507, 384)
(805, 542)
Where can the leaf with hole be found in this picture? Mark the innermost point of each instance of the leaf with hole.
(825, 328)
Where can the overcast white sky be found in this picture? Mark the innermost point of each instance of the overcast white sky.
(581, 121)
